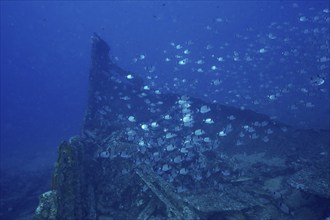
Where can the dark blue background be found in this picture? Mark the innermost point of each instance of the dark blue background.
(45, 61)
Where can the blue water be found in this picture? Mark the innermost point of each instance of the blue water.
(271, 50)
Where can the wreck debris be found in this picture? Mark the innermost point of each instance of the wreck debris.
(175, 206)
(312, 180)
(47, 208)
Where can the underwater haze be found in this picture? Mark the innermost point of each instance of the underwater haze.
(267, 56)
(271, 57)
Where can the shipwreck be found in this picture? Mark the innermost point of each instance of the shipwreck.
(142, 154)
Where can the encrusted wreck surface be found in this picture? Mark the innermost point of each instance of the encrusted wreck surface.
(147, 155)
